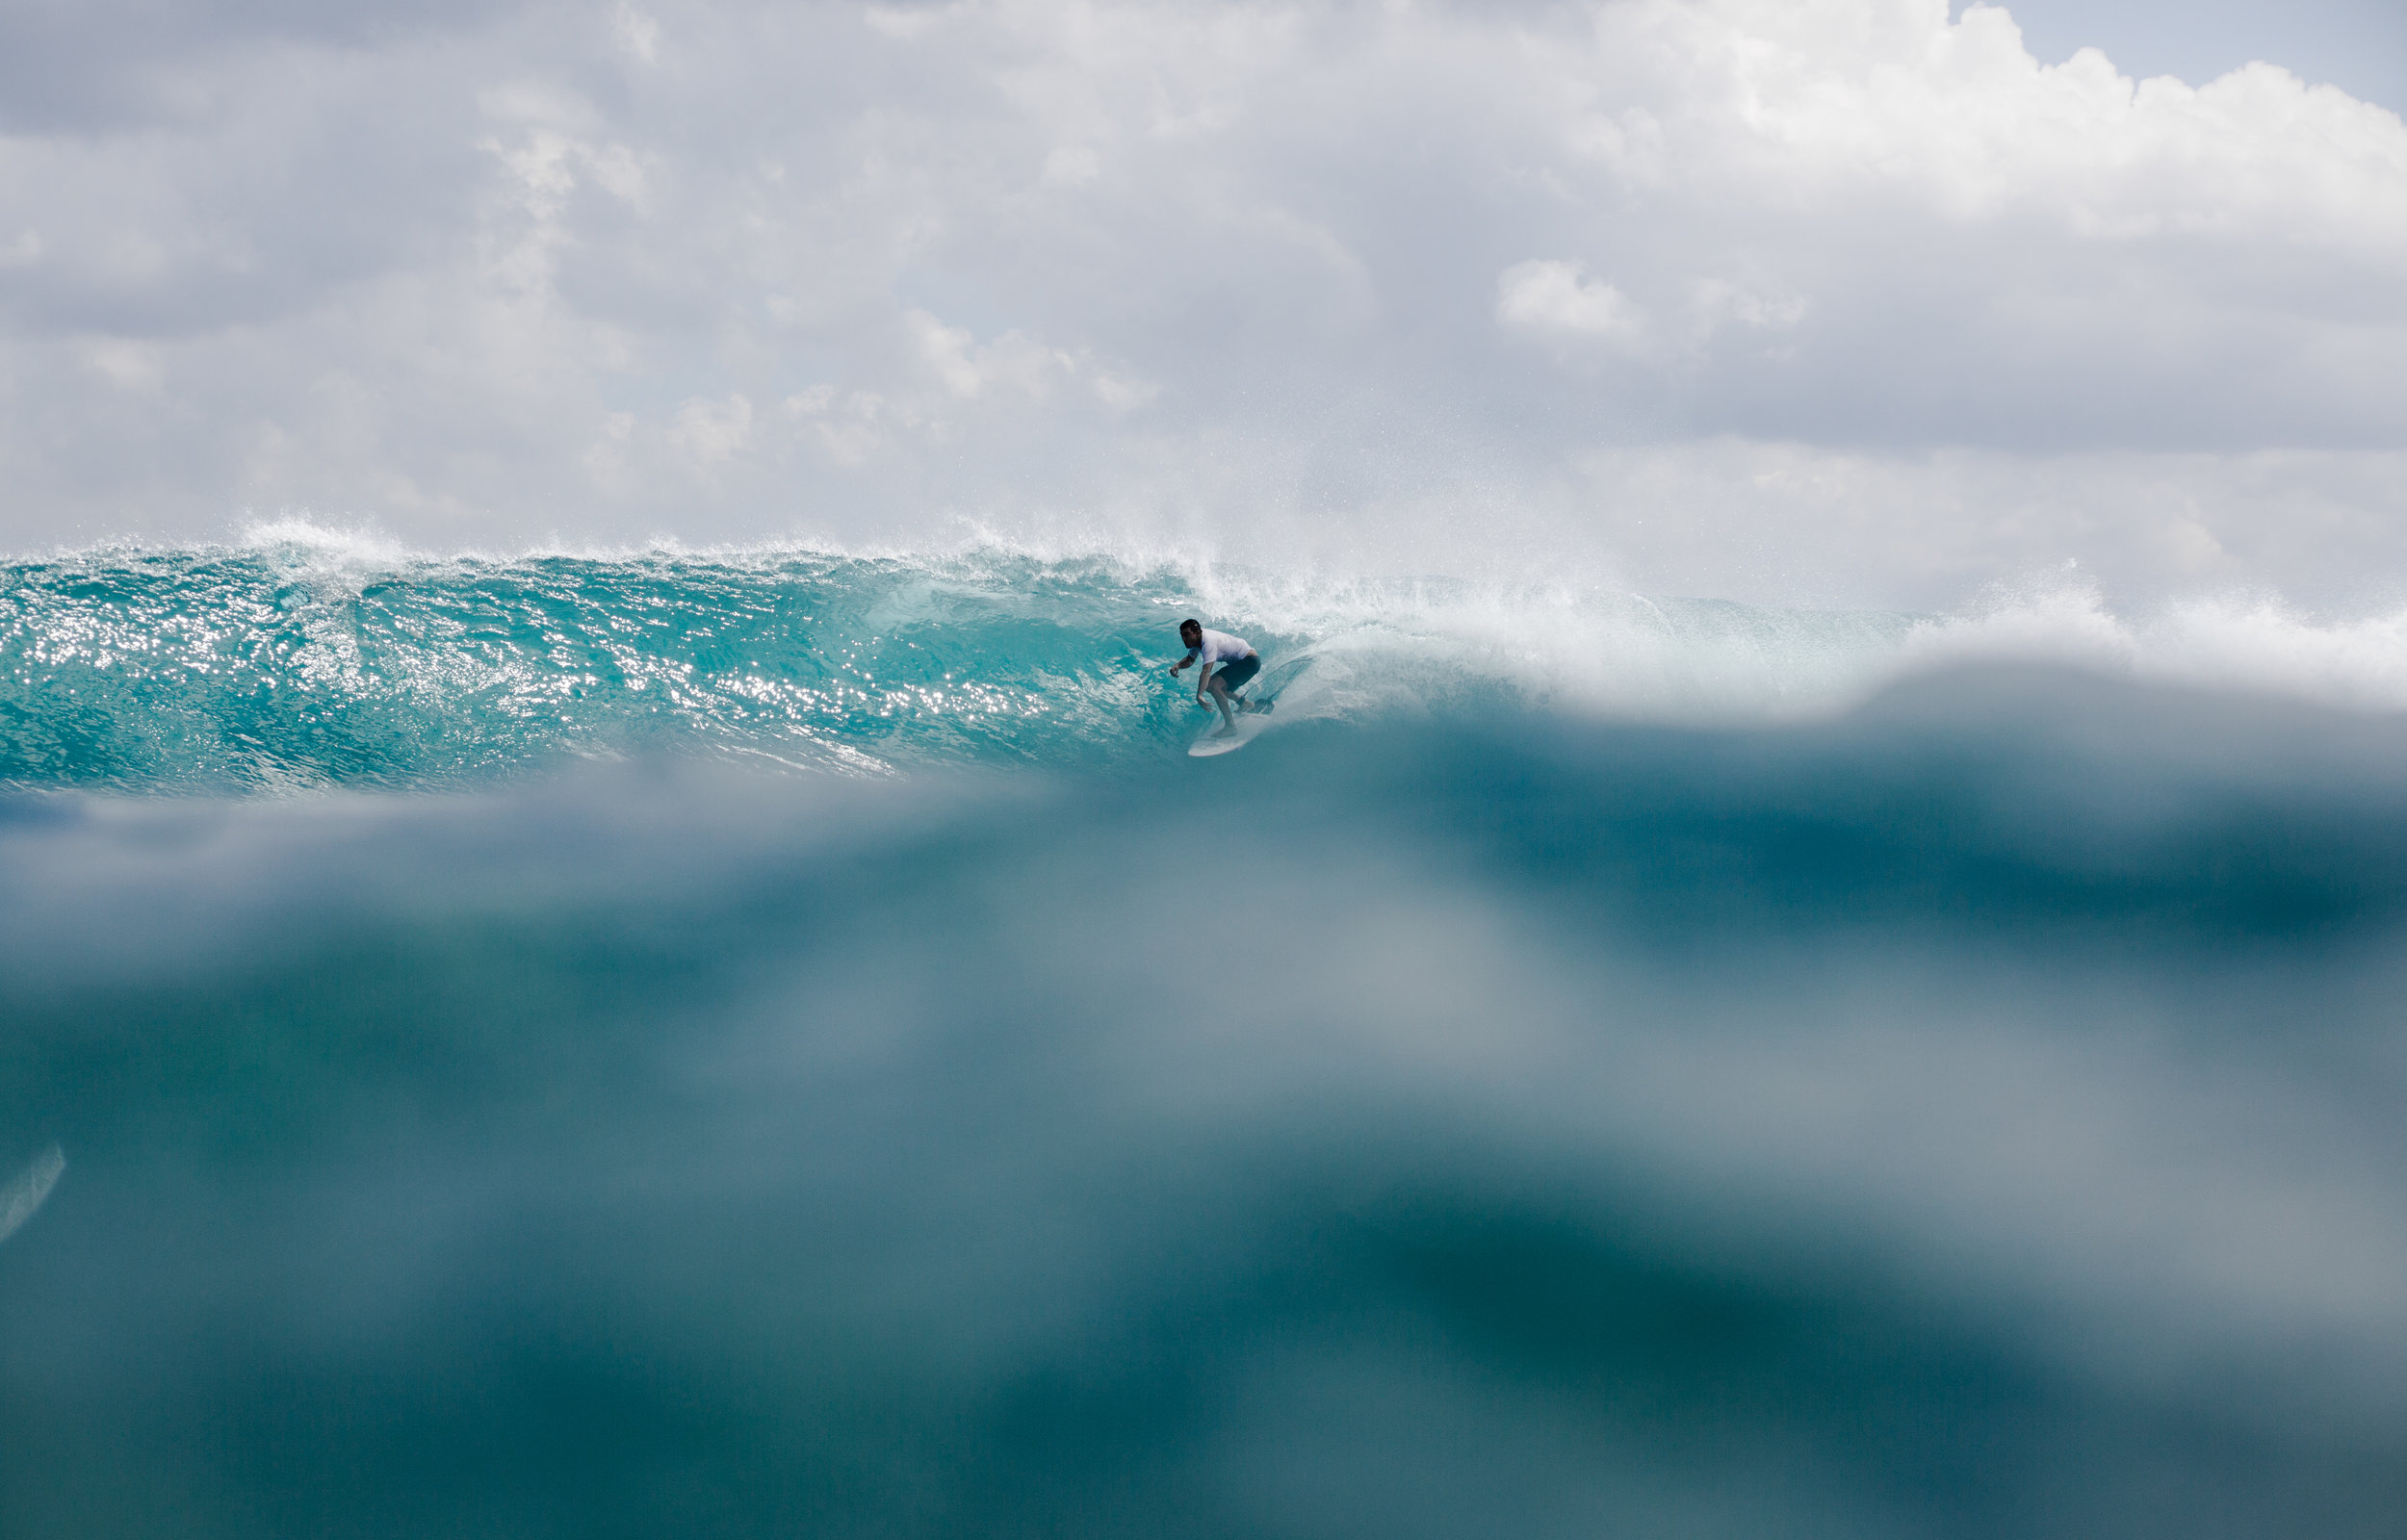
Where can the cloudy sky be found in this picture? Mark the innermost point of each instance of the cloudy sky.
(1864, 301)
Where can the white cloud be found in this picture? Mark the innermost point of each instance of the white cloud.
(848, 435)
(638, 33)
(1563, 298)
(1963, 122)
(130, 366)
(711, 433)
(1274, 266)
(1716, 302)
(947, 352)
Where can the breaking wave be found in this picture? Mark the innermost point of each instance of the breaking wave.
(307, 657)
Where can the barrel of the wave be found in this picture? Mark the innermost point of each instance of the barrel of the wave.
(1225, 665)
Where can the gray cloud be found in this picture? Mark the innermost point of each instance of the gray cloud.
(1271, 279)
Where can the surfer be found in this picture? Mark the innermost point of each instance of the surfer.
(1238, 662)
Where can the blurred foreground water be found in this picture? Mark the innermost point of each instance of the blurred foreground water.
(1981, 1114)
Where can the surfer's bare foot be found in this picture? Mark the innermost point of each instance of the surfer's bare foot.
(1228, 732)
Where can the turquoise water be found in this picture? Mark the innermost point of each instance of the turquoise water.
(237, 669)
(788, 1044)
(320, 665)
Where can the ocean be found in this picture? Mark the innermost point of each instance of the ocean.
(785, 1042)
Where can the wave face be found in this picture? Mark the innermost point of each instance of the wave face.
(1979, 1114)
(306, 660)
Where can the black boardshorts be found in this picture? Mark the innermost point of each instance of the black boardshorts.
(1234, 675)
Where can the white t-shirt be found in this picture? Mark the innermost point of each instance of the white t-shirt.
(1219, 647)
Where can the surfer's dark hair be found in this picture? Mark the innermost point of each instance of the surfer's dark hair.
(1186, 625)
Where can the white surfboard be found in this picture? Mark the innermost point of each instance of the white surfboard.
(1249, 727)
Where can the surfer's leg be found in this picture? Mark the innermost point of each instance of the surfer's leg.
(1232, 678)
(1220, 698)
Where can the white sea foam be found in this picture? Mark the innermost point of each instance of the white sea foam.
(301, 540)
(1374, 645)
(2249, 643)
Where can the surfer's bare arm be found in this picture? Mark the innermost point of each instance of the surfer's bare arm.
(1182, 662)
